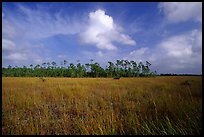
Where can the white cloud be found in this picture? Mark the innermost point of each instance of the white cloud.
(183, 46)
(179, 53)
(8, 29)
(139, 55)
(23, 55)
(182, 11)
(196, 38)
(8, 45)
(139, 52)
(102, 31)
(19, 30)
(16, 57)
(176, 54)
(125, 39)
(177, 46)
(42, 24)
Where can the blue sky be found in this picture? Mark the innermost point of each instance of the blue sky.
(168, 35)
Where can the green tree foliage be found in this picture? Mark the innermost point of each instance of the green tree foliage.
(121, 68)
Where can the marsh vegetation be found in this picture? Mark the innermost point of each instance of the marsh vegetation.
(86, 106)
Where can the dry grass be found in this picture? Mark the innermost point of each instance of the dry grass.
(161, 105)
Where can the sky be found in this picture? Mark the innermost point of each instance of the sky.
(167, 34)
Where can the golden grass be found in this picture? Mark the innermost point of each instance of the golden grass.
(160, 105)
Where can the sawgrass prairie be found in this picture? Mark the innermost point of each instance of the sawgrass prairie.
(169, 105)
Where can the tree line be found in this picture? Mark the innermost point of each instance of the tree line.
(121, 68)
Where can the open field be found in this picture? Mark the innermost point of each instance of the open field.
(161, 105)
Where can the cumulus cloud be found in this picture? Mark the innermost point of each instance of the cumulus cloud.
(181, 52)
(177, 46)
(181, 11)
(183, 46)
(175, 54)
(102, 31)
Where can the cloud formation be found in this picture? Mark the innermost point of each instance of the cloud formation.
(102, 32)
(139, 54)
(36, 34)
(182, 52)
(25, 25)
(181, 11)
(8, 45)
(176, 53)
(44, 24)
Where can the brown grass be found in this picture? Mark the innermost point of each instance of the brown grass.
(161, 105)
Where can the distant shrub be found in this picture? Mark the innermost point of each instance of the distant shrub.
(116, 77)
(186, 83)
(43, 79)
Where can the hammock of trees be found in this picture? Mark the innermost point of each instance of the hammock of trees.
(122, 68)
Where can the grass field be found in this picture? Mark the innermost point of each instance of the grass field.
(140, 106)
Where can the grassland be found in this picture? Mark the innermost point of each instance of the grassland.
(140, 106)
